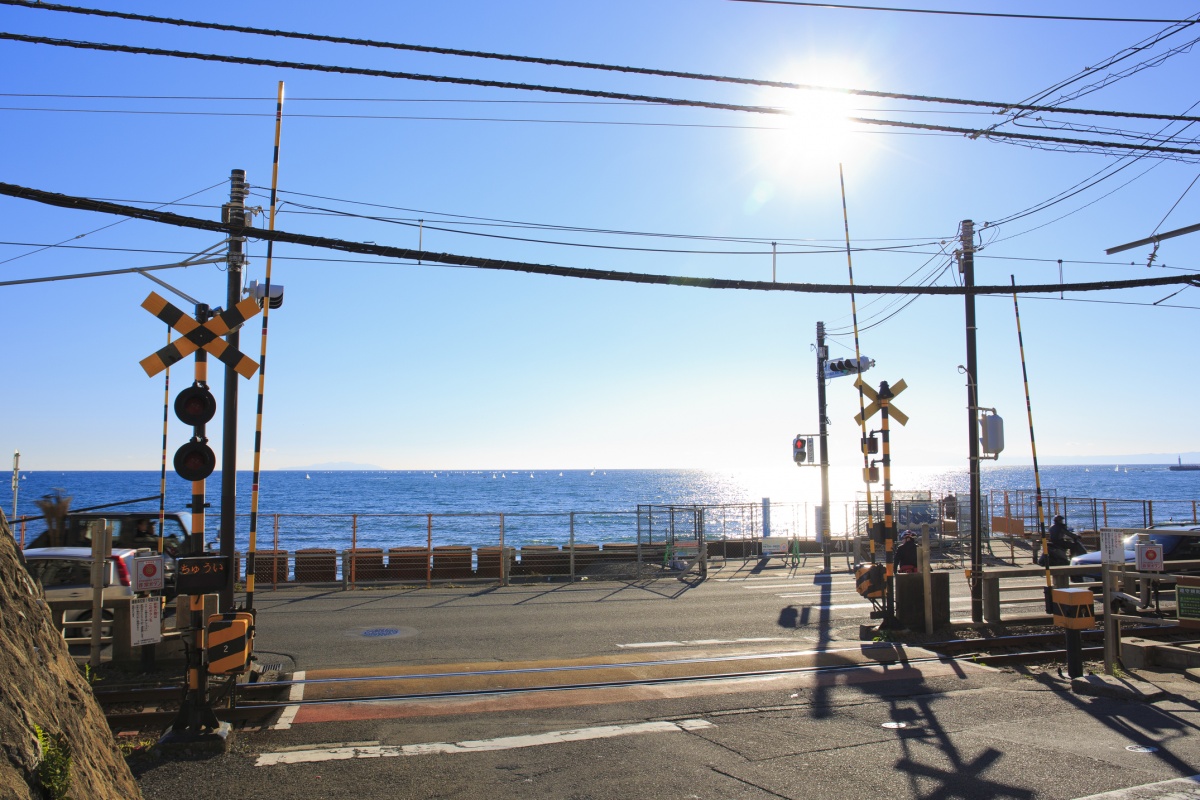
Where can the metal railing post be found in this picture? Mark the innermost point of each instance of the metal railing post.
(571, 546)
(353, 550)
(503, 556)
(428, 550)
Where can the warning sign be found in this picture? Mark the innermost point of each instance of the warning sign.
(1149, 557)
(1112, 551)
(148, 574)
(146, 621)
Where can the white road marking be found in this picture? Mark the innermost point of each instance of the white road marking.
(1174, 789)
(477, 746)
(295, 694)
(704, 642)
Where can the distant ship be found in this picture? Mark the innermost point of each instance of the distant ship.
(1182, 467)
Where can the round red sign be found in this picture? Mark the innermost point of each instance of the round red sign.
(149, 569)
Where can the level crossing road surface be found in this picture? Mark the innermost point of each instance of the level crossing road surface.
(752, 684)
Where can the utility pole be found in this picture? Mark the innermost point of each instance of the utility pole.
(823, 530)
(234, 213)
(967, 268)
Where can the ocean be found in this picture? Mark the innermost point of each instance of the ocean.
(341, 509)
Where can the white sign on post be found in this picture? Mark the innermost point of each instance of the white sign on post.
(1149, 557)
(148, 573)
(146, 621)
(1112, 548)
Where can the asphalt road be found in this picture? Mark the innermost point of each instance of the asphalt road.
(882, 722)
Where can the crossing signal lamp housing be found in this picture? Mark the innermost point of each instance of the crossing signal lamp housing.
(195, 406)
(272, 293)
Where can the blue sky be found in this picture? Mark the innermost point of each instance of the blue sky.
(413, 366)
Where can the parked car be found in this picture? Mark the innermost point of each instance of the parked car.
(65, 573)
(132, 531)
(1175, 547)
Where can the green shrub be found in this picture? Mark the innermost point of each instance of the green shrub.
(54, 770)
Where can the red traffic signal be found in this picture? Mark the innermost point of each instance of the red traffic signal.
(195, 405)
(195, 461)
(800, 450)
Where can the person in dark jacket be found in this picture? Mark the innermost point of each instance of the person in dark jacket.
(1063, 543)
(906, 553)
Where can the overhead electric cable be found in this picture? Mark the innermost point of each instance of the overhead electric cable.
(616, 103)
(1112, 60)
(552, 62)
(942, 12)
(263, 62)
(85, 204)
(581, 229)
(1094, 179)
(79, 236)
(426, 226)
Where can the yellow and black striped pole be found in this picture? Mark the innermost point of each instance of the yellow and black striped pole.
(262, 372)
(197, 548)
(1037, 477)
(889, 529)
(162, 479)
(858, 359)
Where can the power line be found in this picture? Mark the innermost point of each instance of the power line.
(557, 62)
(306, 240)
(104, 227)
(428, 227)
(1154, 149)
(952, 13)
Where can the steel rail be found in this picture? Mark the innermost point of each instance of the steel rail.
(566, 668)
(632, 682)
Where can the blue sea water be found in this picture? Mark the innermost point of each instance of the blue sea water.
(394, 508)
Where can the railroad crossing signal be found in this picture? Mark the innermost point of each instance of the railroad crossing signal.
(893, 412)
(195, 336)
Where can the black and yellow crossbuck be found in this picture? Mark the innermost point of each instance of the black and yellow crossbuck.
(194, 335)
(893, 412)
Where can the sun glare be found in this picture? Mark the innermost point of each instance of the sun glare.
(816, 130)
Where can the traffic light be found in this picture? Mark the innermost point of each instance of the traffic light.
(800, 450)
(870, 445)
(195, 406)
(838, 367)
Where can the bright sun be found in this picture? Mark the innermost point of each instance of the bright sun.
(817, 130)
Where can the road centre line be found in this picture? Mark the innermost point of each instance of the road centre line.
(705, 642)
(479, 745)
(295, 695)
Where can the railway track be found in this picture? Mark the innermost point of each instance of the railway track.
(156, 707)
(1032, 648)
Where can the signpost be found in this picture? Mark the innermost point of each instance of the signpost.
(1187, 599)
(202, 574)
(145, 621)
